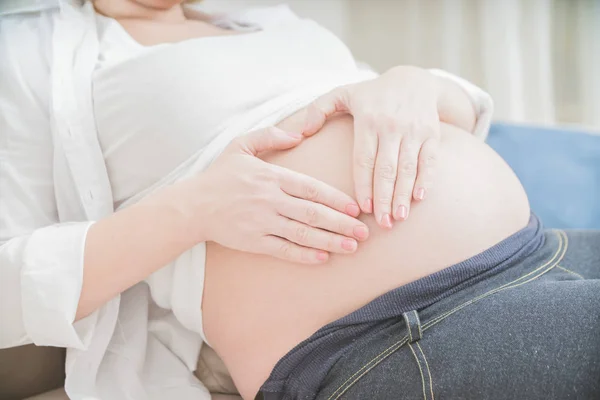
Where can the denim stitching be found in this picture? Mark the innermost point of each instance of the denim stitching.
(420, 369)
(428, 370)
(563, 240)
(398, 345)
(512, 284)
(570, 272)
(418, 324)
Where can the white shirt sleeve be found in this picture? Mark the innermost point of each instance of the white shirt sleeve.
(40, 286)
(41, 261)
(482, 102)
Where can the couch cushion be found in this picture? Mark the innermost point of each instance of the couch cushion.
(29, 370)
(559, 168)
(58, 394)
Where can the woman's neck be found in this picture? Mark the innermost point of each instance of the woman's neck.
(132, 9)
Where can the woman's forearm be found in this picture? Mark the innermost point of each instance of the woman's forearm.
(455, 106)
(245, 195)
(126, 247)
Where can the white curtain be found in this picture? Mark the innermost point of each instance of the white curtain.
(540, 59)
(330, 13)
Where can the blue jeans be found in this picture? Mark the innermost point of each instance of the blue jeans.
(529, 331)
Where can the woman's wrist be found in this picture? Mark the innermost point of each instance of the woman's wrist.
(129, 245)
(184, 204)
(454, 105)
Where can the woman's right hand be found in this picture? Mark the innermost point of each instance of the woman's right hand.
(256, 207)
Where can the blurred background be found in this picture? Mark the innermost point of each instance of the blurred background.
(539, 59)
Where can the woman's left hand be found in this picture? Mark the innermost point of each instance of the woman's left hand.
(396, 134)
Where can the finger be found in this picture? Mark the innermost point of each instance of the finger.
(405, 181)
(320, 216)
(286, 250)
(386, 171)
(324, 107)
(262, 140)
(308, 188)
(426, 168)
(314, 238)
(365, 152)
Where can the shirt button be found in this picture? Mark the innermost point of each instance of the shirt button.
(89, 196)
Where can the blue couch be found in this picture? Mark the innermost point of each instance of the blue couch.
(560, 170)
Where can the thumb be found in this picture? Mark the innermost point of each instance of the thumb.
(324, 107)
(267, 139)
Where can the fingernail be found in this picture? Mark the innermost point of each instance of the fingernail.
(386, 220)
(321, 256)
(361, 232)
(349, 244)
(401, 212)
(368, 205)
(295, 135)
(353, 210)
(420, 193)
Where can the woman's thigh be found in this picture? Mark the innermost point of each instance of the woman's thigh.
(531, 335)
(583, 257)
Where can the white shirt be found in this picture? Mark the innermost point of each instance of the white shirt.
(53, 183)
(164, 112)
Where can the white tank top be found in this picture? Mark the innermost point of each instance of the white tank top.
(165, 110)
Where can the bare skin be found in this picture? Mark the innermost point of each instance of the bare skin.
(257, 308)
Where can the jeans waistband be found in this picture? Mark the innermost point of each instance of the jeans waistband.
(306, 365)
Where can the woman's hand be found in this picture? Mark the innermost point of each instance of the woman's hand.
(396, 134)
(257, 207)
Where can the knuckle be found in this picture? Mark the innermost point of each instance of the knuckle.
(413, 126)
(428, 160)
(264, 190)
(370, 119)
(262, 198)
(314, 105)
(430, 130)
(264, 174)
(344, 228)
(286, 251)
(271, 131)
(364, 189)
(366, 160)
(408, 168)
(386, 123)
(343, 92)
(311, 191)
(405, 125)
(334, 202)
(385, 200)
(302, 233)
(312, 216)
(314, 108)
(386, 171)
(331, 243)
(403, 197)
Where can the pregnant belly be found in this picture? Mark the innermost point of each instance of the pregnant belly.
(257, 308)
